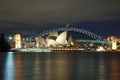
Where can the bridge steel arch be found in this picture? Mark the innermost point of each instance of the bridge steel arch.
(88, 33)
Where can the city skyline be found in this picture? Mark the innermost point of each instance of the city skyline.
(100, 17)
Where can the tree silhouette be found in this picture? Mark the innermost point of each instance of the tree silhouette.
(4, 45)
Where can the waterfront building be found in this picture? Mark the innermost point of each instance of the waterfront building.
(113, 39)
(17, 40)
(55, 40)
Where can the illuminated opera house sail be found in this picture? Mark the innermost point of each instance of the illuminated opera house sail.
(54, 39)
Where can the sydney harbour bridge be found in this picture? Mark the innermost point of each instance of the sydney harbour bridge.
(80, 35)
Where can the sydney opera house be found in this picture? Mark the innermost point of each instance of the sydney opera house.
(55, 40)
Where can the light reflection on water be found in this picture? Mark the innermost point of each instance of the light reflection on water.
(9, 67)
(59, 66)
(101, 70)
(115, 68)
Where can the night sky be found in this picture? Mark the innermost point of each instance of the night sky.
(28, 16)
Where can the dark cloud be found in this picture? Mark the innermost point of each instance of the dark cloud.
(19, 14)
(58, 11)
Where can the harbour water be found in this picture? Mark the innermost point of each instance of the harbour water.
(59, 66)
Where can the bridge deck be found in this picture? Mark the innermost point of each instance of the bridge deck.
(94, 41)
